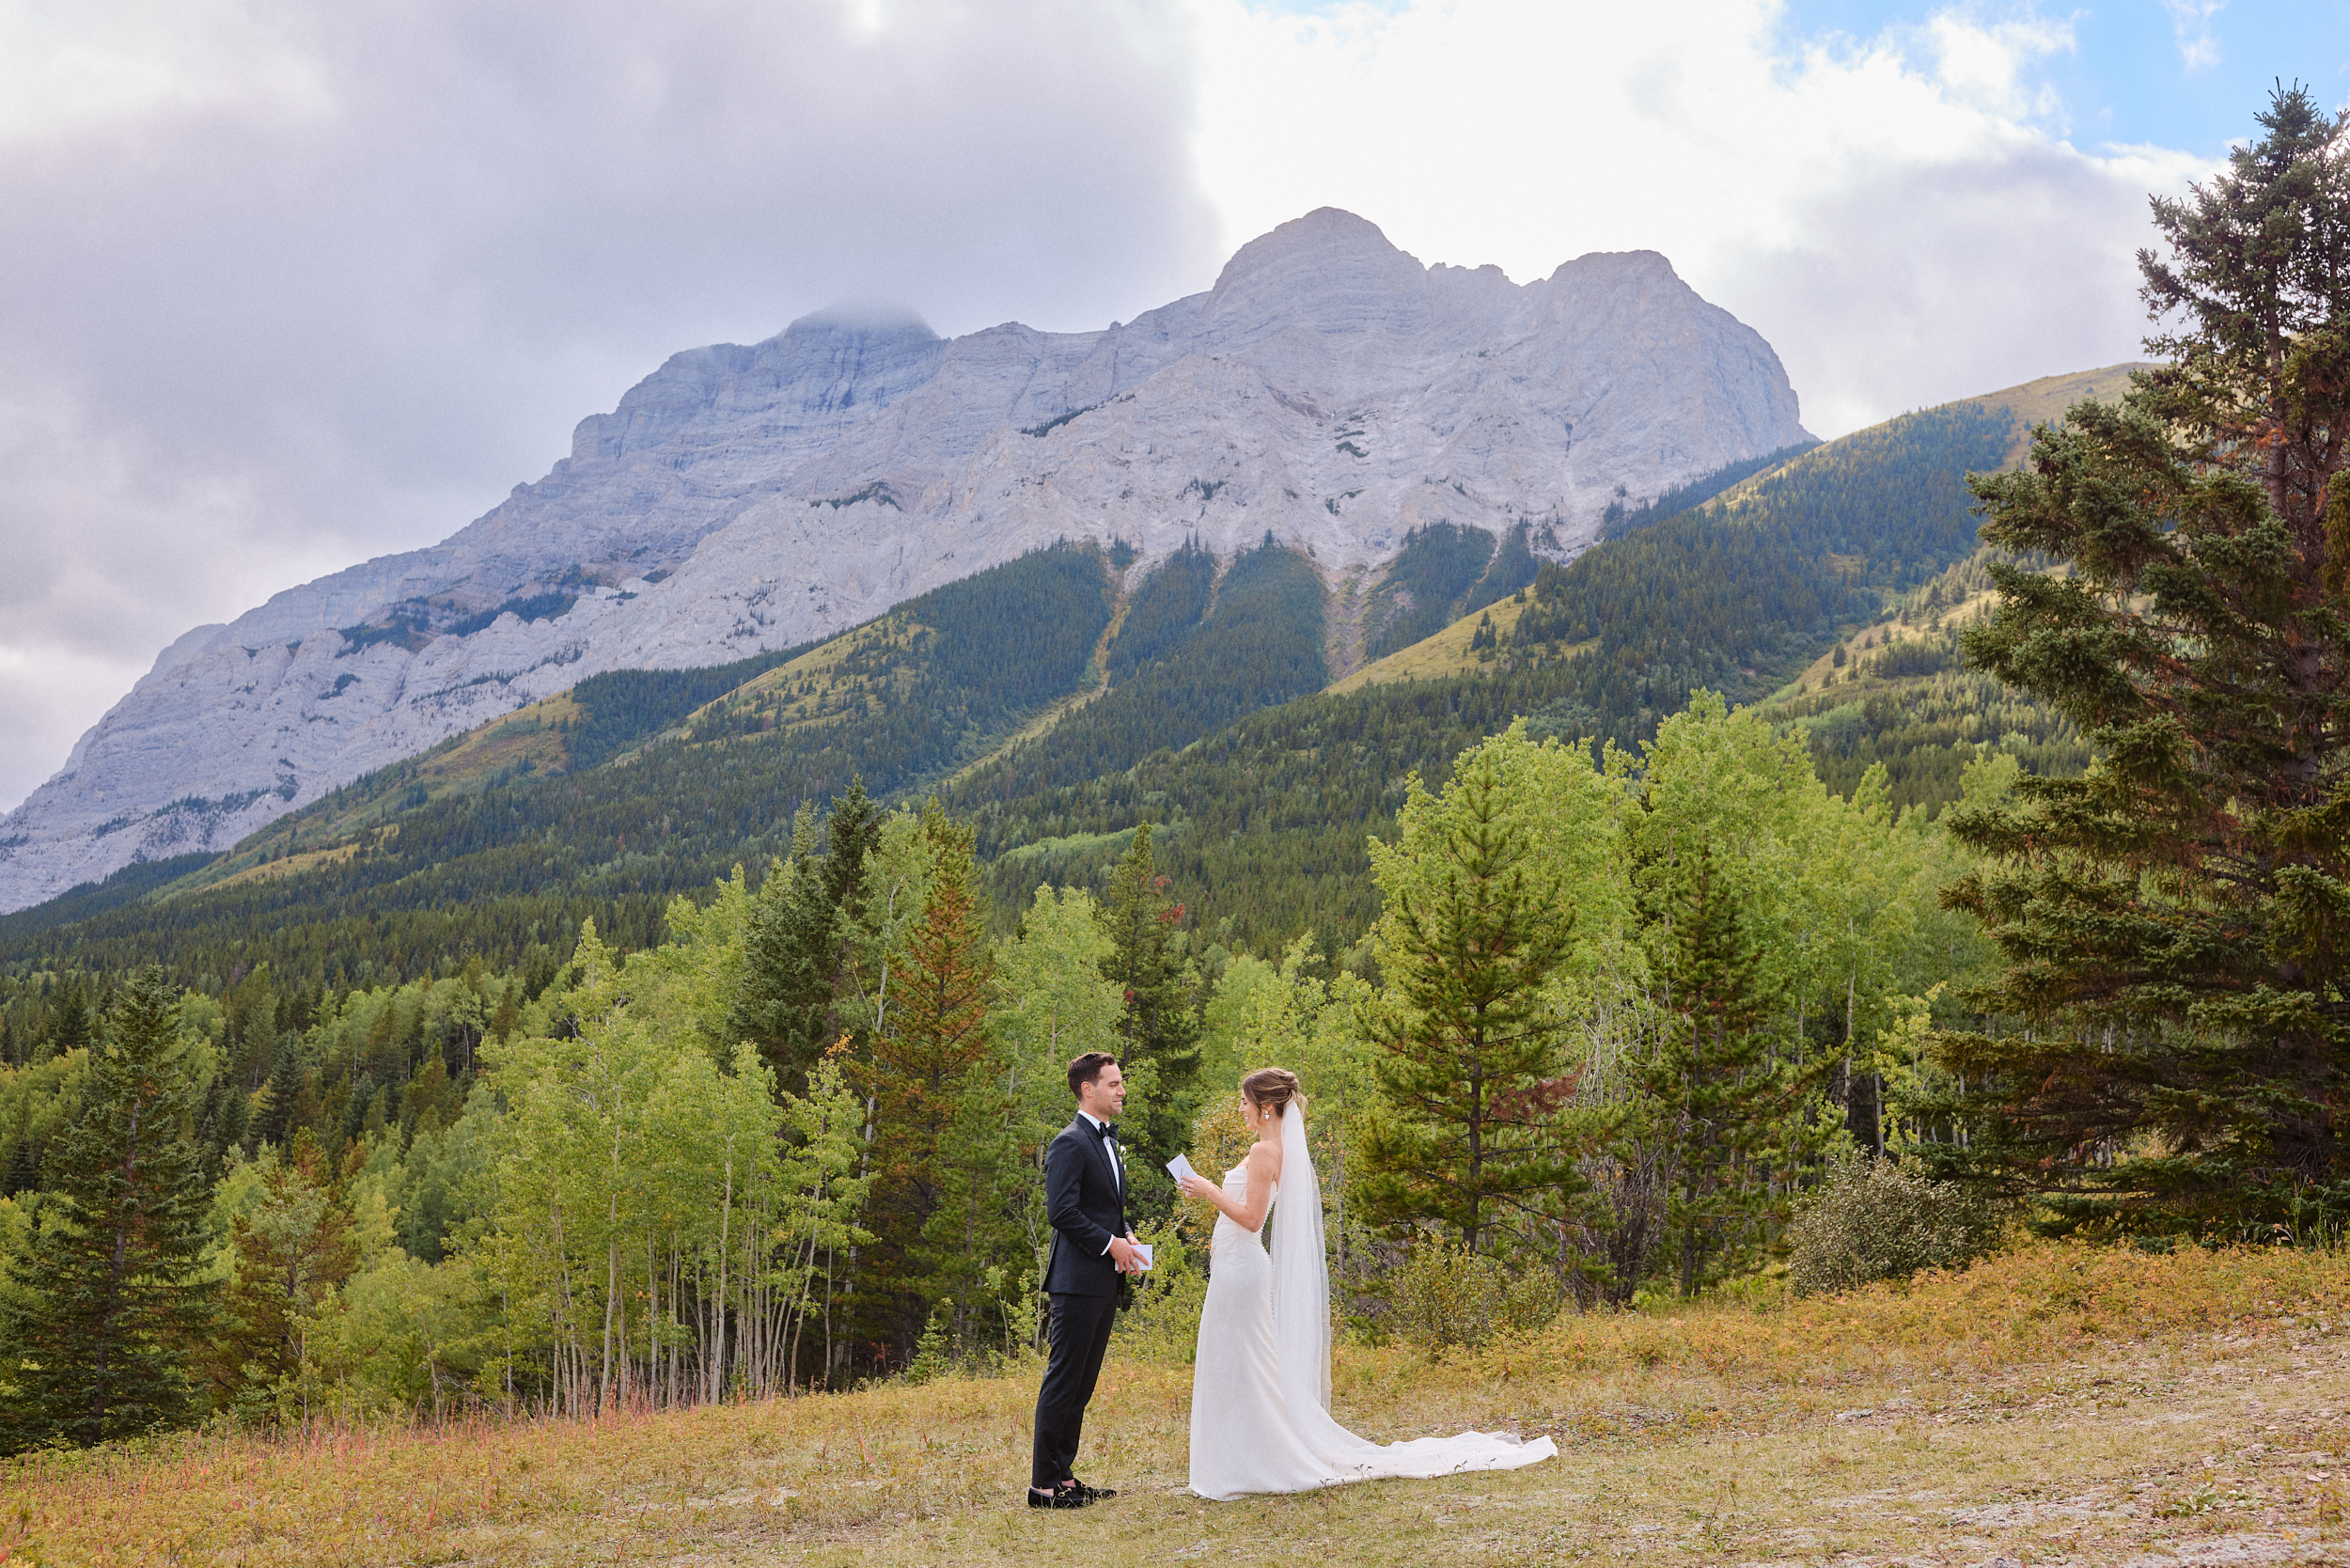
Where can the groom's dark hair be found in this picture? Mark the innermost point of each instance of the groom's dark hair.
(1087, 1068)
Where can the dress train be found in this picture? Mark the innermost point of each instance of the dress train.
(1259, 1416)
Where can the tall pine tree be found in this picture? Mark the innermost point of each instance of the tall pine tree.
(112, 1284)
(1725, 1099)
(68, 1021)
(291, 1250)
(2176, 922)
(795, 950)
(943, 1158)
(1469, 1069)
(1161, 1023)
(23, 1170)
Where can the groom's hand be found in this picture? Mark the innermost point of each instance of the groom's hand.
(1122, 1253)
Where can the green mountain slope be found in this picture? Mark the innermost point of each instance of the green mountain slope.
(1264, 825)
(1897, 693)
(1443, 572)
(485, 845)
(1058, 719)
(1729, 596)
(1191, 656)
(1620, 520)
(1265, 821)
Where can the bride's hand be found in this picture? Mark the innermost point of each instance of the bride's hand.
(1197, 1186)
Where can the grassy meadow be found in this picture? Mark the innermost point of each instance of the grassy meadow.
(2056, 1403)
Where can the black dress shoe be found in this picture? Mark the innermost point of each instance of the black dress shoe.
(1094, 1494)
(1065, 1496)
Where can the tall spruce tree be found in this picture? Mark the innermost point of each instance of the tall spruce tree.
(1161, 1022)
(1468, 1066)
(943, 1154)
(114, 1298)
(290, 1251)
(69, 1021)
(2176, 923)
(1726, 1099)
(850, 827)
(971, 1231)
(793, 950)
(23, 1173)
(789, 952)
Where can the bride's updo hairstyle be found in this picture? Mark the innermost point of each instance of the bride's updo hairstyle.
(1271, 1086)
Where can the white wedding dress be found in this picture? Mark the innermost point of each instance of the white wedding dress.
(1260, 1388)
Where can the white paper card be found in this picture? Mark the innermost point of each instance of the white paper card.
(1180, 1168)
(1144, 1249)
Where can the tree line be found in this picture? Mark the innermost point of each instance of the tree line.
(800, 1139)
(509, 867)
(1618, 1008)
(1443, 571)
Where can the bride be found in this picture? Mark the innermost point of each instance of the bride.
(1261, 1388)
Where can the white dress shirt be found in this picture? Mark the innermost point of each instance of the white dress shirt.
(1117, 1170)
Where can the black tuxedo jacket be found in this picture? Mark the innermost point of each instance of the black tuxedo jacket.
(1087, 1205)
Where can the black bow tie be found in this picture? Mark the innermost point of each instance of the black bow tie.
(1108, 1131)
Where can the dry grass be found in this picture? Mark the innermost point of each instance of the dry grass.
(838, 673)
(1876, 640)
(267, 870)
(1438, 656)
(2050, 398)
(2033, 403)
(2056, 1405)
(530, 732)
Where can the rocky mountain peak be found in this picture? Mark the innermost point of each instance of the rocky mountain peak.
(1325, 240)
(1621, 277)
(1328, 390)
(818, 368)
(1620, 265)
(1328, 271)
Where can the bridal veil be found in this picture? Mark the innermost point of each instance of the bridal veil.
(1260, 1384)
(1301, 1273)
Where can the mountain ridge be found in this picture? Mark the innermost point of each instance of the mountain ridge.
(1173, 706)
(1327, 388)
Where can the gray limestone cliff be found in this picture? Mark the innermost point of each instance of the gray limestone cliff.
(1328, 390)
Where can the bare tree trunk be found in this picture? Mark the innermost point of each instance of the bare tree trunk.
(611, 1299)
(830, 1259)
(726, 1222)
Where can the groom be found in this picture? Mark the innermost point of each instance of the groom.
(1084, 1197)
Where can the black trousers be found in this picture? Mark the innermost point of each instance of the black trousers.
(1081, 1332)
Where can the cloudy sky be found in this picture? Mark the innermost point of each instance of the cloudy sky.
(285, 284)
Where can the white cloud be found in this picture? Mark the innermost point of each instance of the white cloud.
(67, 68)
(286, 285)
(2190, 27)
(1895, 214)
(1987, 66)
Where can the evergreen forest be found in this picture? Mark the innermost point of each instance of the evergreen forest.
(1058, 719)
(696, 1036)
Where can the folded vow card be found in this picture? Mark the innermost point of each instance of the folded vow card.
(1180, 1168)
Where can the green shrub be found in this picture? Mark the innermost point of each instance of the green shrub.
(1161, 1322)
(1440, 1296)
(1872, 1220)
(932, 1353)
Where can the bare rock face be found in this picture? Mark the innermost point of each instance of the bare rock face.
(1329, 390)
